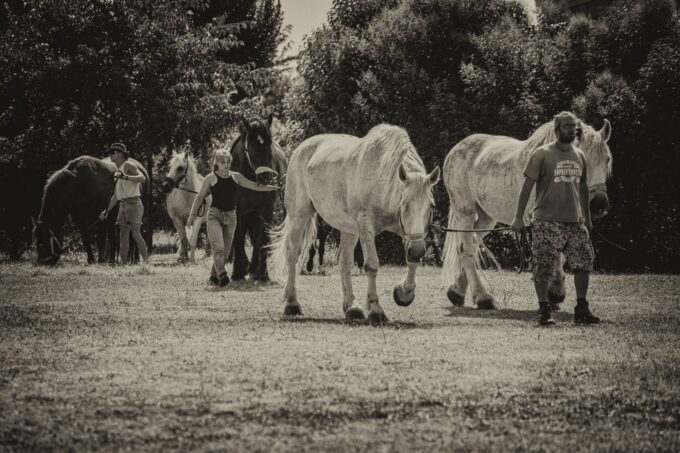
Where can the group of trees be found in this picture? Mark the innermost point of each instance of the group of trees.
(444, 69)
(77, 75)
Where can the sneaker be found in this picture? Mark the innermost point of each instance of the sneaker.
(544, 314)
(582, 315)
(213, 280)
(223, 279)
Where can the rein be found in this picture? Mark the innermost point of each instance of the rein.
(176, 185)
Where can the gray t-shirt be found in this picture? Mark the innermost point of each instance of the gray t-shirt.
(558, 175)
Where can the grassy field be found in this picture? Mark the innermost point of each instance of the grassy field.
(149, 358)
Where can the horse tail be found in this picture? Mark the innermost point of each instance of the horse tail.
(451, 258)
(280, 242)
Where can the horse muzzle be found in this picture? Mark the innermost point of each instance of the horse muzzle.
(168, 184)
(266, 175)
(415, 250)
(599, 204)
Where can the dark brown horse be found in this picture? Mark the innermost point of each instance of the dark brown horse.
(81, 190)
(256, 158)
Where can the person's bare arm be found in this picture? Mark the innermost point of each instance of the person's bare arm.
(205, 188)
(112, 203)
(522, 200)
(131, 173)
(584, 199)
(248, 184)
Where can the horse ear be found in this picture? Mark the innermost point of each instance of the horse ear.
(606, 131)
(434, 176)
(403, 175)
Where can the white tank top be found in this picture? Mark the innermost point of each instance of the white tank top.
(126, 188)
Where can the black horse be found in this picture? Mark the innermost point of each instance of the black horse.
(323, 230)
(256, 158)
(82, 189)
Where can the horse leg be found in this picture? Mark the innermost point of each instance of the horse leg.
(193, 240)
(100, 235)
(376, 315)
(468, 250)
(322, 235)
(263, 244)
(183, 242)
(255, 229)
(240, 260)
(453, 260)
(310, 260)
(293, 248)
(87, 241)
(556, 291)
(352, 310)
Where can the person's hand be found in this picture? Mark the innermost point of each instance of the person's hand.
(518, 225)
(103, 215)
(117, 174)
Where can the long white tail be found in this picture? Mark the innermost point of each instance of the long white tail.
(280, 242)
(451, 258)
(452, 261)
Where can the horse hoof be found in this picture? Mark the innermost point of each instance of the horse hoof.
(355, 314)
(377, 318)
(556, 298)
(455, 298)
(486, 304)
(399, 301)
(292, 310)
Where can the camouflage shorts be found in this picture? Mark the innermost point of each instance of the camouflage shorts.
(551, 238)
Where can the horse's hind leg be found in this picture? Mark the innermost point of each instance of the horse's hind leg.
(294, 241)
(458, 288)
(353, 311)
(468, 249)
(183, 241)
(376, 315)
(87, 242)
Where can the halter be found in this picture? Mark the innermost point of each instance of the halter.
(412, 237)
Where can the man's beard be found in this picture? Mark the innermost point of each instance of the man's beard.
(565, 139)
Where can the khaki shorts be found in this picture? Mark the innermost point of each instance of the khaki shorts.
(130, 211)
(551, 238)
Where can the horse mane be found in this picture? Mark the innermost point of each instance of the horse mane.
(544, 134)
(396, 149)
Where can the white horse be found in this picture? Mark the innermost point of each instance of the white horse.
(360, 186)
(185, 182)
(483, 175)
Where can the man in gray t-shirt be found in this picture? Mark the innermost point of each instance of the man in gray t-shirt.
(561, 217)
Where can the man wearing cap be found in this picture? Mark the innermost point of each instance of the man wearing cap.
(128, 192)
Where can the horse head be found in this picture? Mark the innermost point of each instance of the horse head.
(253, 151)
(48, 242)
(180, 168)
(415, 209)
(593, 143)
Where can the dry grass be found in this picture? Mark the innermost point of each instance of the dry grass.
(148, 358)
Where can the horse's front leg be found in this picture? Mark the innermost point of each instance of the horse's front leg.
(193, 240)
(376, 315)
(405, 292)
(87, 241)
(100, 232)
(263, 249)
(239, 247)
(352, 310)
(182, 255)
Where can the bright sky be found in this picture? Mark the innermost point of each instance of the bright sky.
(304, 16)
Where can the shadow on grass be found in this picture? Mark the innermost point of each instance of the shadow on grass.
(343, 322)
(518, 315)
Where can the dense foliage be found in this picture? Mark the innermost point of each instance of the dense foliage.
(77, 75)
(444, 69)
